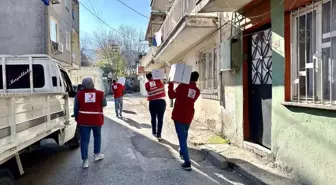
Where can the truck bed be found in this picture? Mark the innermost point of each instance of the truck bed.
(26, 118)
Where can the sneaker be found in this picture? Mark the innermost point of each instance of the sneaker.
(186, 166)
(85, 163)
(159, 138)
(154, 135)
(98, 157)
(120, 115)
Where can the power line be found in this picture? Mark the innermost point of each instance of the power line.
(133, 9)
(121, 34)
(99, 18)
(90, 4)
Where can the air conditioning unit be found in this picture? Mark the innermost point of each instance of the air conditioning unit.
(57, 47)
(55, 2)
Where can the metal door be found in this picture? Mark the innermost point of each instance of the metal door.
(260, 87)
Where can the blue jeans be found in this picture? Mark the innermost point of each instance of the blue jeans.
(157, 109)
(182, 134)
(85, 132)
(118, 105)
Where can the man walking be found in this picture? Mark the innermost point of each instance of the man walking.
(183, 113)
(88, 112)
(118, 92)
(157, 104)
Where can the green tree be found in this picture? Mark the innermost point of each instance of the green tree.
(114, 64)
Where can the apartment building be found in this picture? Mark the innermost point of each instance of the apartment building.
(41, 27)
(266, 75)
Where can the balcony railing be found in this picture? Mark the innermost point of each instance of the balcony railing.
(179, 9)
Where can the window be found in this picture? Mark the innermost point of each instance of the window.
(208, 69)
(18, 76)
(73, 14)
(67, 41)
(67, 4)
(54, 81)
(313, 73)
(53, 30)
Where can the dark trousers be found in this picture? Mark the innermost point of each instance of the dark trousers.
(157, 109)
(182, 134)
(85, 132)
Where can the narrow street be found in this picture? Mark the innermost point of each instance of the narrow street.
(132, 156)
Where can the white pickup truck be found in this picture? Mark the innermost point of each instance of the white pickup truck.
(34, 105)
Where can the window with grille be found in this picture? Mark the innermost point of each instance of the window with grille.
(208, 69)
(313, 52)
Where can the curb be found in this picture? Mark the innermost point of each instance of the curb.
(216, 159)
(246, 174)
(221, 162)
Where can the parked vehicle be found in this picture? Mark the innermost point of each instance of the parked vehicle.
(34, 105)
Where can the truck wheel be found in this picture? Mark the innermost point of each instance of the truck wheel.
(6, 177)
(75, 141)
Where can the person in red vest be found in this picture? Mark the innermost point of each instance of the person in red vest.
(118, 92)
(157, 104)
(88, 112)
(183, 113)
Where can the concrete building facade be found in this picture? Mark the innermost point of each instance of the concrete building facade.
(41, 27)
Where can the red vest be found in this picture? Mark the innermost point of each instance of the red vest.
(155, 90)
(117, 89)
(90, 107)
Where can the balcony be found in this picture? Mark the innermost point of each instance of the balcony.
(183, 28)
(75, 15)
(206, 6)
(160, 5)
(154, 25)
(148, 60)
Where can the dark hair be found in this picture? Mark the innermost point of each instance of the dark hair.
(114, 81)
(194, 76)
(79, 87)
(149, 76)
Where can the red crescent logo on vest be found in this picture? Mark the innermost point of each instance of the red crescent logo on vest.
(91, 96)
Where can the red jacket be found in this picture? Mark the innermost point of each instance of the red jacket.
(118, 90)
(90, 107)
(185, 95)
(155, 90)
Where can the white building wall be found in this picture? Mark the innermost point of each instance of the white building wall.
(94, 72)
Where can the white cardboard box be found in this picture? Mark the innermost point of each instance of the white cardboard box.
(180, 73)
(158, 74)
(122, 80)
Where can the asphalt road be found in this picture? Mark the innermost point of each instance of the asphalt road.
(131, 157)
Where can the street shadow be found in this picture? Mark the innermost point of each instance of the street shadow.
(135, 124)
(253, 172)
(129, 112)
(166, 150)
(195, 154)
(43, 164)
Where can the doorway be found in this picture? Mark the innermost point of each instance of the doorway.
(260, 86)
